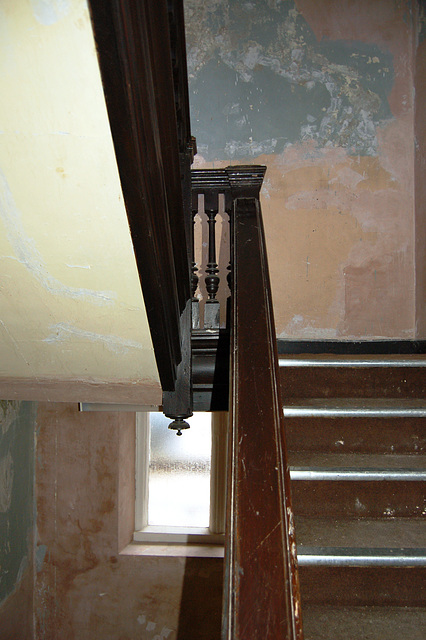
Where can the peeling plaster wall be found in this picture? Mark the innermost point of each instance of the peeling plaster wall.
(85, 588)
(321, 93)
(70, 298)
(17, 432)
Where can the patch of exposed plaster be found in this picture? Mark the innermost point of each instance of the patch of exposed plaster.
(9, 412)
(40, 555)
(150, 625)
(303, 329)
(6, 482)
(258, 72)
(48, 12)
(64, 331)
(29, 256)
(22, 568)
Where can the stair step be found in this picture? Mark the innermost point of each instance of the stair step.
(367, 500)
(358, 486)
(369, 623)
(384, 436)
(324, 378)
(358, 462)
(362, 586)
(354, 408)
(394, 533)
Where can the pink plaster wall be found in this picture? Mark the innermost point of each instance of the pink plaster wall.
(361, 277)
(16, 613)
(86, 589)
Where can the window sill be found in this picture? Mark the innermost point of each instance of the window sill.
(176, 541)
(174, 550)
(178, 535)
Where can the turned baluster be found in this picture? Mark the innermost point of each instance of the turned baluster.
(229, 268)
(194, 276)
(212, 308)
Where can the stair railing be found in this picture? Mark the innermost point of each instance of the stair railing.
(141, 55)
(261, 586)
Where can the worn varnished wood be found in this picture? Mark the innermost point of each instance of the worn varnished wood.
(210, 370)
(140, 73)
(351, 382)
(261, 595)
(351, 347)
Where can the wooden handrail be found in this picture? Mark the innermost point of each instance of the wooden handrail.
(261, 593)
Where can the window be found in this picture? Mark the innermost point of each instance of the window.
(180, 481)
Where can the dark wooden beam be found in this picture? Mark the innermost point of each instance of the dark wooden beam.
(139, 71)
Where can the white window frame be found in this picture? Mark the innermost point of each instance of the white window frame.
(211, 535)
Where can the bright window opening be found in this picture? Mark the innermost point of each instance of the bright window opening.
(179, 472)
(180, 480)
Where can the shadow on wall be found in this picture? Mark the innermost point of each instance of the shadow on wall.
(201, 603)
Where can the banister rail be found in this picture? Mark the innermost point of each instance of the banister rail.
(261, 592)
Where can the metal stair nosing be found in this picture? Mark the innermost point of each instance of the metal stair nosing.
(361, 557)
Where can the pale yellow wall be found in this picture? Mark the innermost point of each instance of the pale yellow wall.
(70, 299)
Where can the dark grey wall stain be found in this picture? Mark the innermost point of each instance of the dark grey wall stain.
(422, 20)
(259, 80)
(17, 420)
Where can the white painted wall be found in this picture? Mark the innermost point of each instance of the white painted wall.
(71, 306)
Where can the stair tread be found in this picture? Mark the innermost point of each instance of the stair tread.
(362, 558)
(332, 361)
(370, 623)
(354, 407)
(386, 533)
(357, 461)
(357, 403)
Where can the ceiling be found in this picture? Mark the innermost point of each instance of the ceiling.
(72, 317)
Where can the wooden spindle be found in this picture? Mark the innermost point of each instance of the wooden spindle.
(194, 278)
(212, 308)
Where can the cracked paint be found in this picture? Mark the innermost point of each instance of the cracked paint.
(66, 253)
(63, 332)
(29, 256)
(323, 98)
(276, 84)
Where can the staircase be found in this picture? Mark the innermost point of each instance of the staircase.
(356, 431)
(355, 434)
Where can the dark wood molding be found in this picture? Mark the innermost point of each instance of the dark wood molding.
(261, 594)
(404, 383)
(351, 347)
(210, 370)
(141, 73)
